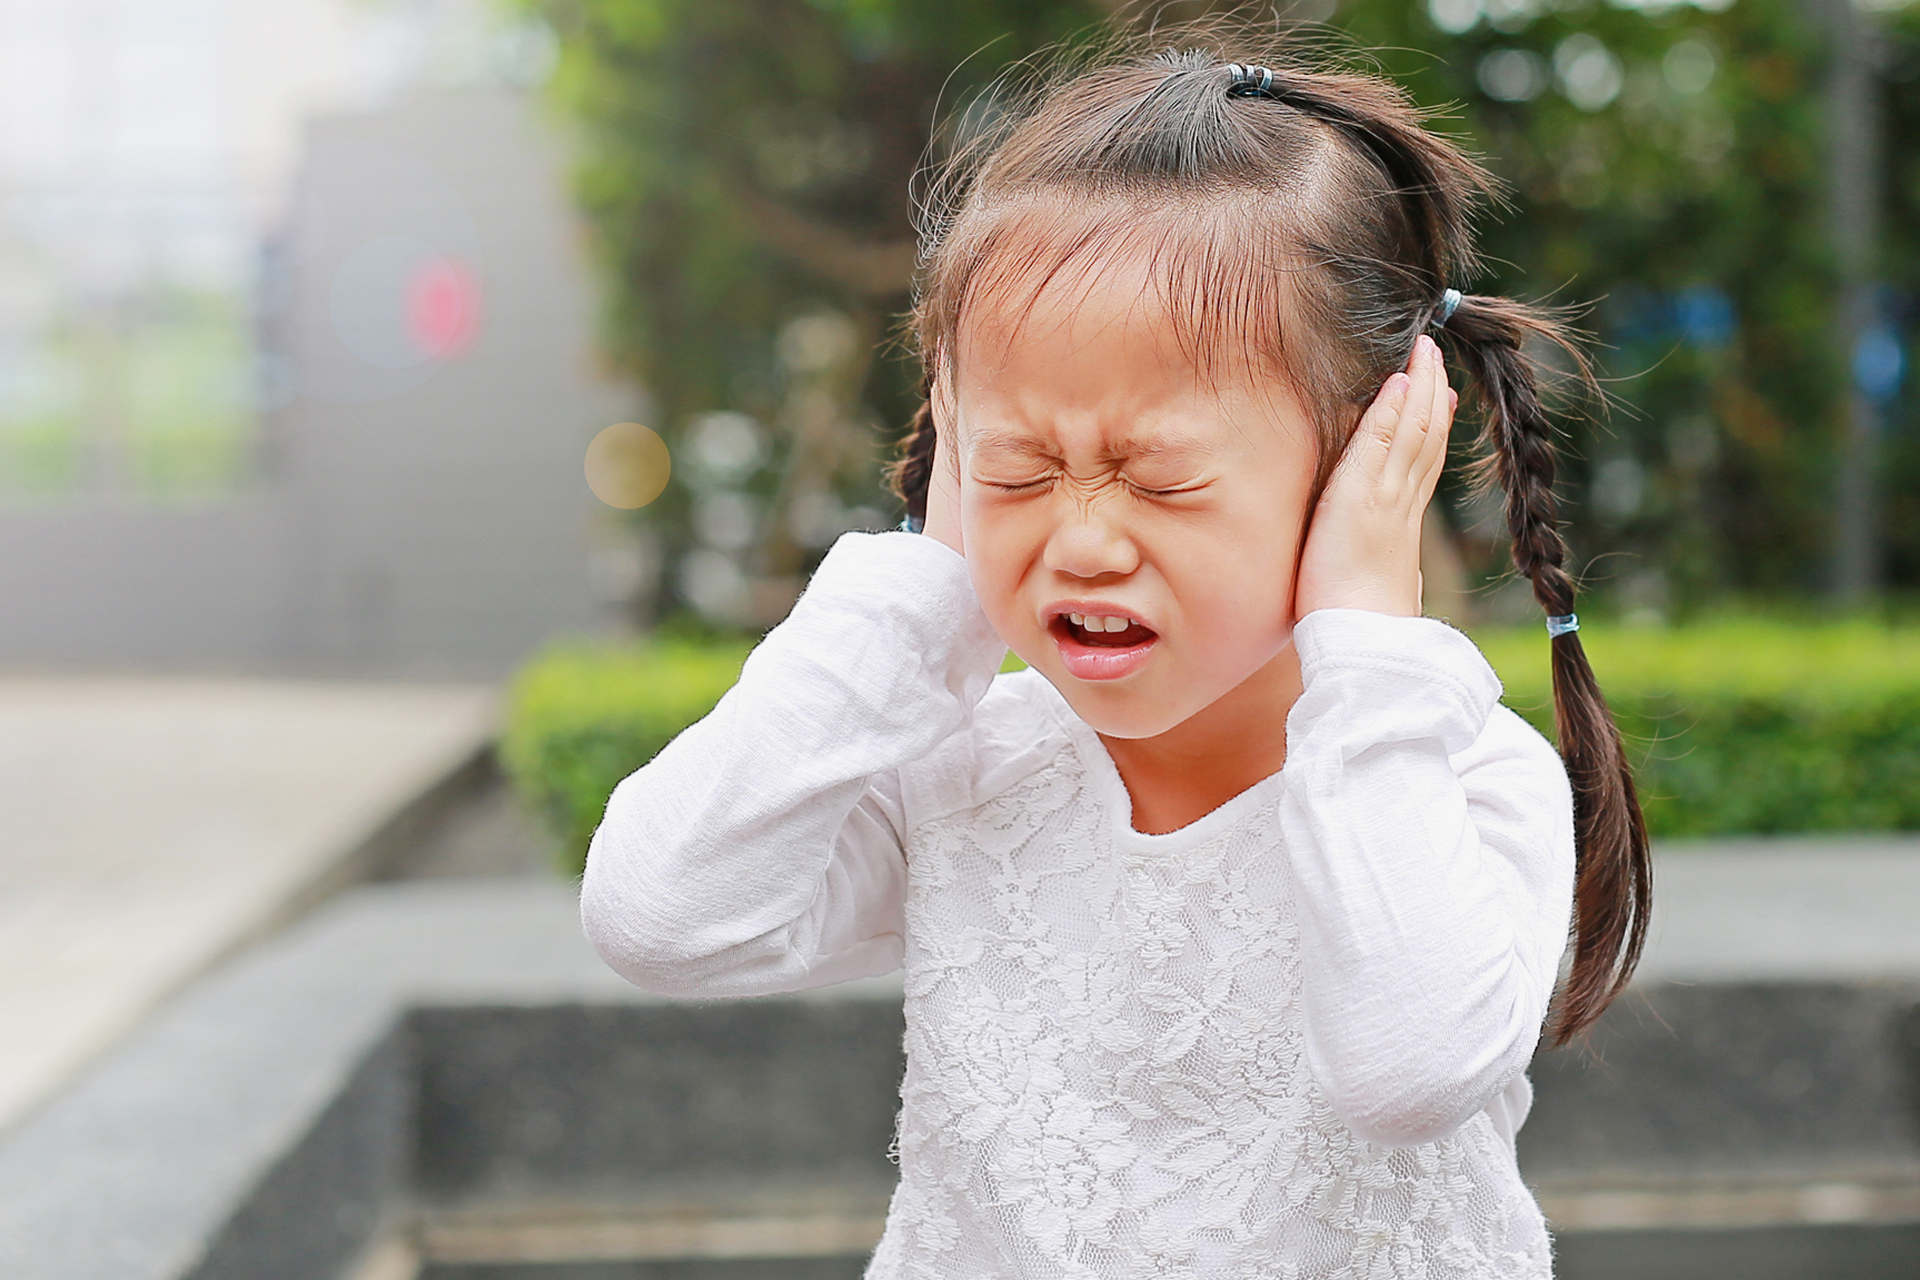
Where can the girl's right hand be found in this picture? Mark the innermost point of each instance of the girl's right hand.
(943, 497)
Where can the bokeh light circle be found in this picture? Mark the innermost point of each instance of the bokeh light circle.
(396, 303)
(628, 465)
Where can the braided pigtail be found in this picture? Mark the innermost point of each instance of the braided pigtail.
(1613, 886)
(912, 471)
(1393, 296)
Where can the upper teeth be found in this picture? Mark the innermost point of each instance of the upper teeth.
(1099, 622)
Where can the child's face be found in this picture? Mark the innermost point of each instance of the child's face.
(1103, 477)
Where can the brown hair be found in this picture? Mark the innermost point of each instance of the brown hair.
(1308, 226)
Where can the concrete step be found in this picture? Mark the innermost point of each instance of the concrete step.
(421, 1064)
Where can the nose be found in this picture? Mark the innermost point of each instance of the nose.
(1090, 540)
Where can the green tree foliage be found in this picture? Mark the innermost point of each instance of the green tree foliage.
(747, 169)
(1666, 163)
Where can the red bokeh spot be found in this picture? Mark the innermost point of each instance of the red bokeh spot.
(443, 308)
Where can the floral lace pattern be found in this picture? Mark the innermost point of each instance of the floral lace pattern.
(1106, 1073)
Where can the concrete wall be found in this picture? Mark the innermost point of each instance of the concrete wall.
(98, 584)
(447, 1067)
(422, 518)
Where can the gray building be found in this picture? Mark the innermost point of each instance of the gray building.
(417, 505)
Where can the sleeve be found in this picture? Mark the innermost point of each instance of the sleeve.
(1430, 836)
(762, 850)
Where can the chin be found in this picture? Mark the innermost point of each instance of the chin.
(1118, 712)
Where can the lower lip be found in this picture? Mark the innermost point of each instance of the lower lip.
(1094, 662)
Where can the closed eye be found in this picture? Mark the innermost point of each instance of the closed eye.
(1174, 492)
(1022, 486)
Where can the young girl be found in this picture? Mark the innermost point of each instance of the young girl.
(1229, 928)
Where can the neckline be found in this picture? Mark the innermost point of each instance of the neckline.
(1106, 776)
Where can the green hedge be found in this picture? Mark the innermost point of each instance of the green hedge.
(1734, 727)
(1745, 726)
(580, 718)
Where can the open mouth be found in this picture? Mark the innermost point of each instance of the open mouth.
(1102, 646)
(1104, 632)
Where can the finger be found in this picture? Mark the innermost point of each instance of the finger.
(1373, 439)
(1433, 459)
(1425, 380)
(943, 497)
(1433, 445)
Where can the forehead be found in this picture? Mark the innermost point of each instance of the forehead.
(1203, 284)
(1092, 366)
(1122, 338)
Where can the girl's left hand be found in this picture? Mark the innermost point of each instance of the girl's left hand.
(1363, 545)
(943, 497)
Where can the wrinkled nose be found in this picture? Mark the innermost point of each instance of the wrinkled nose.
(1090, 541)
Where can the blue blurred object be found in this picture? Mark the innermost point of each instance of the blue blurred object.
(1704, 315)
(1878, 363)
(1701, 315)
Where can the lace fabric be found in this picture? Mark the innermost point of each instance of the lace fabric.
(1114, 1037)
(1106, 1075)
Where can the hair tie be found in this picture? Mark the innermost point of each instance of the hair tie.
(1248, 82)
(1562, 624)
(909, 524)
(1449, 303)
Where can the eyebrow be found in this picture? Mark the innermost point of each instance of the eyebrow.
(1148, 446)
(1023, 443)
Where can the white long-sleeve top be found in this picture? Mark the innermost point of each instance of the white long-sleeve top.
(1287, 1040)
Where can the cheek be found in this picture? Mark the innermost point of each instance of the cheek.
(998, 553)
(1241, 573)
(1238, 607)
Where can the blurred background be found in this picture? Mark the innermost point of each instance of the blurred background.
(296, 368)
(1724, 185)
(411, 411)
(311, 308)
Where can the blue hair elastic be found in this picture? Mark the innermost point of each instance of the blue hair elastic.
(1561, 625)
(1449, 303)
(909, 524)
(1248, 82)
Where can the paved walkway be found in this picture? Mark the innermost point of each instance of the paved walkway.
(1801, 908)
(150, 826)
